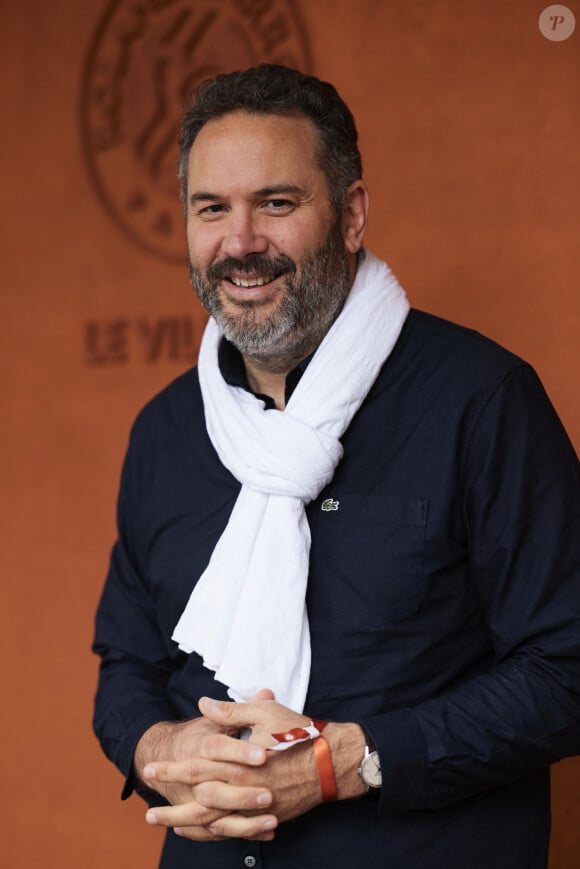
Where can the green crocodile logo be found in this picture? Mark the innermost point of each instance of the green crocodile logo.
(329, 504)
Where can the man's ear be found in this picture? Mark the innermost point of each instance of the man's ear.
(354, 216)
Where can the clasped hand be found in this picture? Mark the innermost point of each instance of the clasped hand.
(222, 787)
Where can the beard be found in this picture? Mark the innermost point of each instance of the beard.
(311, 301)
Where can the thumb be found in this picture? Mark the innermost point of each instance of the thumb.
(231, 714)
(226, 713)
(262, 694)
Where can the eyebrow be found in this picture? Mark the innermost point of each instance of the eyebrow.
(280, 188)
(204, 197)
(275, 189)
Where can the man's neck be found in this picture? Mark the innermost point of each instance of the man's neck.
(269, 379)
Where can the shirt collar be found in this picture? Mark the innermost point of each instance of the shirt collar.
(233, 371)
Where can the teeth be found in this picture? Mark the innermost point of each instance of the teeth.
(246, 282)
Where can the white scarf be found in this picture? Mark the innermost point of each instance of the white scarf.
(247, 615)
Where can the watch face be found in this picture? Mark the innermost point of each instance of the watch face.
(371, 770)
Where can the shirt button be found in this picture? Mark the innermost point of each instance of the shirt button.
(250, 861)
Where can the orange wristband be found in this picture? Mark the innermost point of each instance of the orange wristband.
(322, 756)
(324, 765)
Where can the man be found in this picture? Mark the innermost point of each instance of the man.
(349, 513)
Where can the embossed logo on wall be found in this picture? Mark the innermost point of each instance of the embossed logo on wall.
(143, 65)
(121, 340)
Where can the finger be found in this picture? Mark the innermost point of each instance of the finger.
(197, 834)
(211, 793)
(191, 814)
(196, 770)
(229, 714)
(192, 771)
(262, 718)
(236, 826)
(222, 758)
(248, 732)
(217, 795)
(218, 747)
(262, 694)
(259, 828)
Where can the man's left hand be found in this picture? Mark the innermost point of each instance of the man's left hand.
(291, 775)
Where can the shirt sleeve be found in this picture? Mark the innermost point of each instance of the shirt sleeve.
(135, 665)
(521, 497)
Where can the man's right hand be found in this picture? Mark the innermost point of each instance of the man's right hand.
(213, 790)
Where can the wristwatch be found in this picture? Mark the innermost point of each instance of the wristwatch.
(370, 769)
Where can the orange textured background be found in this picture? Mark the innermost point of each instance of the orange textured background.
(469, 129)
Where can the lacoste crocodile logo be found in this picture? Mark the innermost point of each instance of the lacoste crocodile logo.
(329, 504)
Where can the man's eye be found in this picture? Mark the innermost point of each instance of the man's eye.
(279, 204)
(210, 210)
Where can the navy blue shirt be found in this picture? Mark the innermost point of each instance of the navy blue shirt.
(443, 600)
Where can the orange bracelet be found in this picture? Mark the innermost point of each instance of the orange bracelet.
(324, 765)
(322, 755)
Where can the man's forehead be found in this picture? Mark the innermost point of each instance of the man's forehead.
(285, 130)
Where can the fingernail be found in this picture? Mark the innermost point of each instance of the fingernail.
(255, 755)
(264, 799)
(149, 772)
(209, 705)
(151, 817)
(270, 824)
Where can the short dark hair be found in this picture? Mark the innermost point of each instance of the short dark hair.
(270, 89)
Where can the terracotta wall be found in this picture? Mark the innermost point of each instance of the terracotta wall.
(469, 127)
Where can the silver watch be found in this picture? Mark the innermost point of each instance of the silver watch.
(370, 769)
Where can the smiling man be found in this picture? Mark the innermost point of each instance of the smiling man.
(342, 620)
(269, 262)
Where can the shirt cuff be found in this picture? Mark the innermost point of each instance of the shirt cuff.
(399, 742)
(127, 753)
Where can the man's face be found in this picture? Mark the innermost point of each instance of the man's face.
(267, 257)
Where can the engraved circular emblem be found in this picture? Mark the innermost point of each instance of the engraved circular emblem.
(145, 61)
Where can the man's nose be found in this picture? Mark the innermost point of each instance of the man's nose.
(244, 235)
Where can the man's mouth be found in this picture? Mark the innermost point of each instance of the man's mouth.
(249, 283)
(253, 274)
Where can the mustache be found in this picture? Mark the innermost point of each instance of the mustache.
(254, 264)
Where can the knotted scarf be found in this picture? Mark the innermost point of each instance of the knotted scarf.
(246, 615)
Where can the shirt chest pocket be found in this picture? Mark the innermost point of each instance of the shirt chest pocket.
(366, 560)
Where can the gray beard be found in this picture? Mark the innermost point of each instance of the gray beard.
(310, 305)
